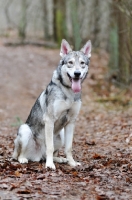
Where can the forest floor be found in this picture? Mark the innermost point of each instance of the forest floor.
(104, 123)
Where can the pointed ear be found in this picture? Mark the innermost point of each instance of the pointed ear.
(65, 48)
(87, 49)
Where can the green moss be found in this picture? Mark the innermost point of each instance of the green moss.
(75, 24)
(60, 26)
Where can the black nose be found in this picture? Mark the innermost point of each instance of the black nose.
(77, 73)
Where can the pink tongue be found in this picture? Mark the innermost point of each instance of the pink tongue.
(76, 85)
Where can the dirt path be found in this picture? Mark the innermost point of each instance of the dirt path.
(99, 144)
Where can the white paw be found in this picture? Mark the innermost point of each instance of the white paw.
(74, 164)
(78, 163)
(23, 160)
(127, 140)
(63, 160)
(14, 156)
(60, 160)
(50, 165)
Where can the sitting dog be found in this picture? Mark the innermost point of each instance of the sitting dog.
(51, 122)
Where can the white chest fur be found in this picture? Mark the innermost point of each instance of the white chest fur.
(62, 106)
(65, 111)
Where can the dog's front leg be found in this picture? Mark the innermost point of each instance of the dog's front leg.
(69, 131)
(49, 127)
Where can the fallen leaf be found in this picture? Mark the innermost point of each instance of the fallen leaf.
(18, 174)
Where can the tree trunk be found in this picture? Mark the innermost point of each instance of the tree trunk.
(129, 45)
(45, 19)
(59, 21)
(23, 21)
(75, 24)
(124, 55)
(96, 28)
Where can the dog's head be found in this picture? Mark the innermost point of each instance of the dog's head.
(74, 65)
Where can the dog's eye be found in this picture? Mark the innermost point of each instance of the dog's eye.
(70, 62)
(82, 63)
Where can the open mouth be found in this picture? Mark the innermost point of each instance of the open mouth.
(75, 83)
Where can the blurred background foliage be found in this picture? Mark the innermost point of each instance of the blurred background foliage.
(107, 23)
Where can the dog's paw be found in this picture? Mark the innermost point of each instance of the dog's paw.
(23, 160)
(63, 160)
(50, 165)
(74, 163)
(60, 160)
(14, 156)
(78, 163)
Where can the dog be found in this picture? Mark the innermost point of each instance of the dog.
(50, 124)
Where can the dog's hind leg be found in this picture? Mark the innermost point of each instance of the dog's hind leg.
(60, 160)
(62, 136)
(24, 134)
(55, 154)
(16, 149)
(58, 143)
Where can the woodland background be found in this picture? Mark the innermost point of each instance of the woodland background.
(30, 36)
(107, 23)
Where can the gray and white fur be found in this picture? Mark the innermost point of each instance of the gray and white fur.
(51, 122)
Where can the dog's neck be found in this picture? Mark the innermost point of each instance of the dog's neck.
(65, 89)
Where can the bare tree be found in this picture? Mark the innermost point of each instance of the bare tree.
(47, 8)
(8, 18)
(75, 24)
(59, 23)
(45, 19)
(23, 20)
(125, 41)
